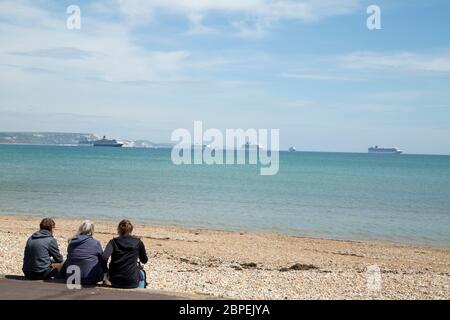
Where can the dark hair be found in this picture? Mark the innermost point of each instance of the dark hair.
(47, 224)
(125, 227)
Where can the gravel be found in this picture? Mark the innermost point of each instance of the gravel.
(260, 266)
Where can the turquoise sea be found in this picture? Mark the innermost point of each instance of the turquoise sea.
(399, 198)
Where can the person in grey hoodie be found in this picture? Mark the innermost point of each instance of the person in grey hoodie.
(42, 259)
(86, 253)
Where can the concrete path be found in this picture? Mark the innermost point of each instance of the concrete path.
(15, 288)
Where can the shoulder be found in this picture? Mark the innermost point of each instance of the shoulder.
(95, 241)
(139, 241)
(136, 238)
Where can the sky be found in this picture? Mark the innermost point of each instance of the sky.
(140, 69)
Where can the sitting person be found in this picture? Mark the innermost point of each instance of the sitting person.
(124, 251)
(42, 259)
(86, 253)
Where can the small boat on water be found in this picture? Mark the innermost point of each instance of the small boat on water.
(107, 143)
(292, 149)
(251, 146)
(377, 149)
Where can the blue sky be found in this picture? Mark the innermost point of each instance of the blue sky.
(140, 69)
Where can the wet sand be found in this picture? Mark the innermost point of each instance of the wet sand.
(250, 265)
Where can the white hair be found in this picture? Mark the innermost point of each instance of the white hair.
(86, 228)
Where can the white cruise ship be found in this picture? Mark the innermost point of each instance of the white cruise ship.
(377, 149)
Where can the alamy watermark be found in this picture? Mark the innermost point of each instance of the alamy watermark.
(237, 146)
(73, 281)
(73, 22)
(373, 278)
(374, 20)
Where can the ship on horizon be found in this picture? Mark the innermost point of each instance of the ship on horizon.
(107, 143)
(252, 146)
(377, 149)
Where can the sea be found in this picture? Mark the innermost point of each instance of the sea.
(402, 199)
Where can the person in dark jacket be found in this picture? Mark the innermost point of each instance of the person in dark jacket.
(86, 253)
(125, 251)
(42, 259)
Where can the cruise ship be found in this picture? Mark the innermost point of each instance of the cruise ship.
(377, 149)
(107, 143)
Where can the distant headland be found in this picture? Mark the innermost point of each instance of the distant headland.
(69, 139)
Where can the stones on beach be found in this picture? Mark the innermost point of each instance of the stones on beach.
(299, 267)
(245, 265)
(249, 265)
(189, 261)
(349, 254)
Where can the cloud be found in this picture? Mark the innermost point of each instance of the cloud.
(250, 17)
(57, 53)
(29, 69)
(362, 66)
(319, 77)
(102, 49)
(135, 11)
(276, 9)
(251, 29)
(196, 26)
(21, 12)
(402, 61)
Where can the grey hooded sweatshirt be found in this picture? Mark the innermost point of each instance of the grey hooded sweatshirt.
(41, 251)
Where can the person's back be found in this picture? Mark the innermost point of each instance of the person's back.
(125, 251)
(86, 253)
(42, 257)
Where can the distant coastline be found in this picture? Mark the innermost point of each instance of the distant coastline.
(169, 146)
(67, 139)
(73, 139)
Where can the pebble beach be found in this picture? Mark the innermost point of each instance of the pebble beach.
(250, 265)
